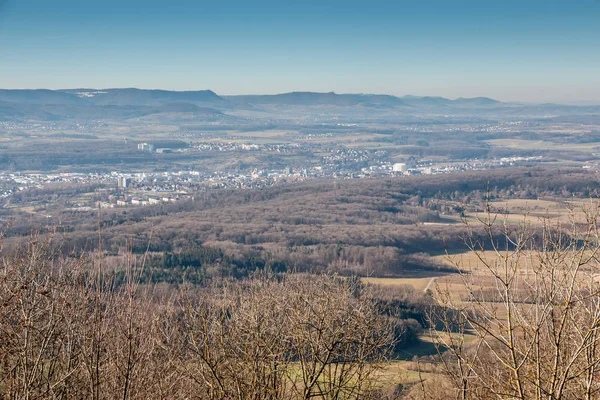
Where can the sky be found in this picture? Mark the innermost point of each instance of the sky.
(526, 50)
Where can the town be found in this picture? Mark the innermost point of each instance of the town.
(127, 188)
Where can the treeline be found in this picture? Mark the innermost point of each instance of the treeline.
(200, 265)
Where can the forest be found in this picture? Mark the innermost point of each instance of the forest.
(372, 227)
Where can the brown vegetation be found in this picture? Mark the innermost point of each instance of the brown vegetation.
(534, 332)
(379, 227)
(67, 333)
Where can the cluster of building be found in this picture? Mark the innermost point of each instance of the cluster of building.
(433, 168)
(125, 201)
(150, 148)
(12, 182)
(122, 189)
(233, 146)
(146, 147)
(348, 157)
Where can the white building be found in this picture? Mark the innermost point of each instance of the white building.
(147, 147)
(399, 167)
(123, 182)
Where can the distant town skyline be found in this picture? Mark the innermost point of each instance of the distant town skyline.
(528, 50)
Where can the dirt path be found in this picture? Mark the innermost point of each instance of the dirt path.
(429, 284)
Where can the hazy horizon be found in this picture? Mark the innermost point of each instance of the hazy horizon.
(531, 51)
(575, 102)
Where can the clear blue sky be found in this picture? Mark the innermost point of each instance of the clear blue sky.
(529, 50)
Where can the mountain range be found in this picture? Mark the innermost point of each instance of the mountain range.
(144, 97)
(345, 100)
(125, 103)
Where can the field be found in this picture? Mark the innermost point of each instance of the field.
(420, 284)
(544, 145)
(535, 212)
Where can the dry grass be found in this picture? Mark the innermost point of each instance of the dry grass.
(400, 373)
(477, 275)
(471, 261)
(417, 283)
(518, 211)
(409, 372)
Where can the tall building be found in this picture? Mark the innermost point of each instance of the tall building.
(123, 182)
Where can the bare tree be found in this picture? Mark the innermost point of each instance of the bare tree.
(302, 337)
(527, 327)
(69, 333)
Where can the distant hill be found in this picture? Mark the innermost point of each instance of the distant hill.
(109, 97)
(57, 112)
(10, 110)
(476, 101)
(426, 101)
(317, 99)
(48, 105)
(186, 108)
(142, 97)
(38, 96)
(302, 99)
(345, 100)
